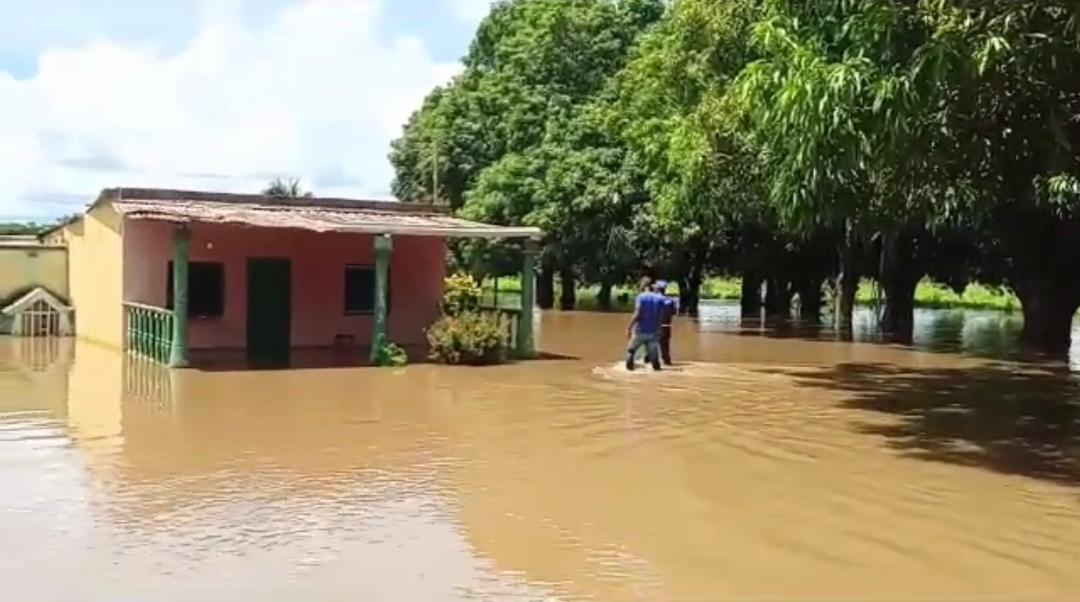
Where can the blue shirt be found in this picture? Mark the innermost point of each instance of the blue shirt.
(650, 310)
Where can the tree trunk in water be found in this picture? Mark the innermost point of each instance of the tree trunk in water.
(898, 320)
(847, 282)
(810, 301)
(898, 278)
(778, 298)
(690, 286)
(603, 298)
(847, 286)
(545, 288)
(750, 296)
(568, 295)
(690, 301)
(1048, 309)
(1045, 278)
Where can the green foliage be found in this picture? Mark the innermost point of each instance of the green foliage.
(519, 138)
(932, 295)
(465, 334)
(461, 294)
(470, 338)
(391, 355)
(727, 289)
(20, 228)
(770, 139)
(672, 107)
(33, 228)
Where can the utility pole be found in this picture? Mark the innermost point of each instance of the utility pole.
(435, 170)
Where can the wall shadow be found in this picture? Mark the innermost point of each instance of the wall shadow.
(1010, 419)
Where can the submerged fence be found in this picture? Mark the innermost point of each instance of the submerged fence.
(148, 331)
(508, 318)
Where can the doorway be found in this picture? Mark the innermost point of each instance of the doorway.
(269, 310)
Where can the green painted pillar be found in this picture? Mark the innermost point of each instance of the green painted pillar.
(383, 245)
(526, 343)
(178, 352)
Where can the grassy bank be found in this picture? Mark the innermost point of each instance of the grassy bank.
(936, 296)
(927, 295)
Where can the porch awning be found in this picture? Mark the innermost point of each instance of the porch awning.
(318, 215)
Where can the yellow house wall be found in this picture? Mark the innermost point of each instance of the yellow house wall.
(22, 268)
(95, 258)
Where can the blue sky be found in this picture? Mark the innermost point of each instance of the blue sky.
(213, 94)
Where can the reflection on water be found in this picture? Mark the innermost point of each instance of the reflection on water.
(763, 466)
(981, 332)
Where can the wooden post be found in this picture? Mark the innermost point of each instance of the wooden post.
(383, 245)
(526, 345)
(178, 353)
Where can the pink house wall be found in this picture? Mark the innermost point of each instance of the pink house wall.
(417, 268)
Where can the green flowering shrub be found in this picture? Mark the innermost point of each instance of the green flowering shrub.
(461, 293)
(470, 338)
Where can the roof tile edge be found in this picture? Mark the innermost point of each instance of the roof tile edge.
(168, 194)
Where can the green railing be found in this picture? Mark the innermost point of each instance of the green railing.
(509, 319)
(149, 331)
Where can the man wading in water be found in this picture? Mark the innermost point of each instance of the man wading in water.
(644, 327)
(667, 315)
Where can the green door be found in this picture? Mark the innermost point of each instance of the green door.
(269, 310)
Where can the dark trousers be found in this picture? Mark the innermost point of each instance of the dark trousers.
(665, 344)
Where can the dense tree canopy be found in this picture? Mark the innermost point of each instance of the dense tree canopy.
(800, 145)
(516, 138)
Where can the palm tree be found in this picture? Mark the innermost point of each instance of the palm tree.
(290, 188)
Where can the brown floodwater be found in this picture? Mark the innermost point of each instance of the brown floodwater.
(765, 466)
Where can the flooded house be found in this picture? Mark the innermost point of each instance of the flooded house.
(185, 277)
(33, 285)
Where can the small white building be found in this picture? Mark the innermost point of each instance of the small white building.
(39, 313)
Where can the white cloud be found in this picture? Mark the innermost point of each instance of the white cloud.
(315, 92)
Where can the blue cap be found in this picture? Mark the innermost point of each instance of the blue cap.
(661, 285)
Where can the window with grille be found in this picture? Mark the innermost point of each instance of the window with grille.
(360, 290)
(206, 289)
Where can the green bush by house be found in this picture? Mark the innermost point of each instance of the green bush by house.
(470, 338)
(390, 355)
(464, 335)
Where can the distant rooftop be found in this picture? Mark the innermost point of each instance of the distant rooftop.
(307, 213)
(21, 241)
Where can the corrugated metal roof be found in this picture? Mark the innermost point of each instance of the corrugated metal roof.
(318, 215)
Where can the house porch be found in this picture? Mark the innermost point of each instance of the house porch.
(274, 277)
